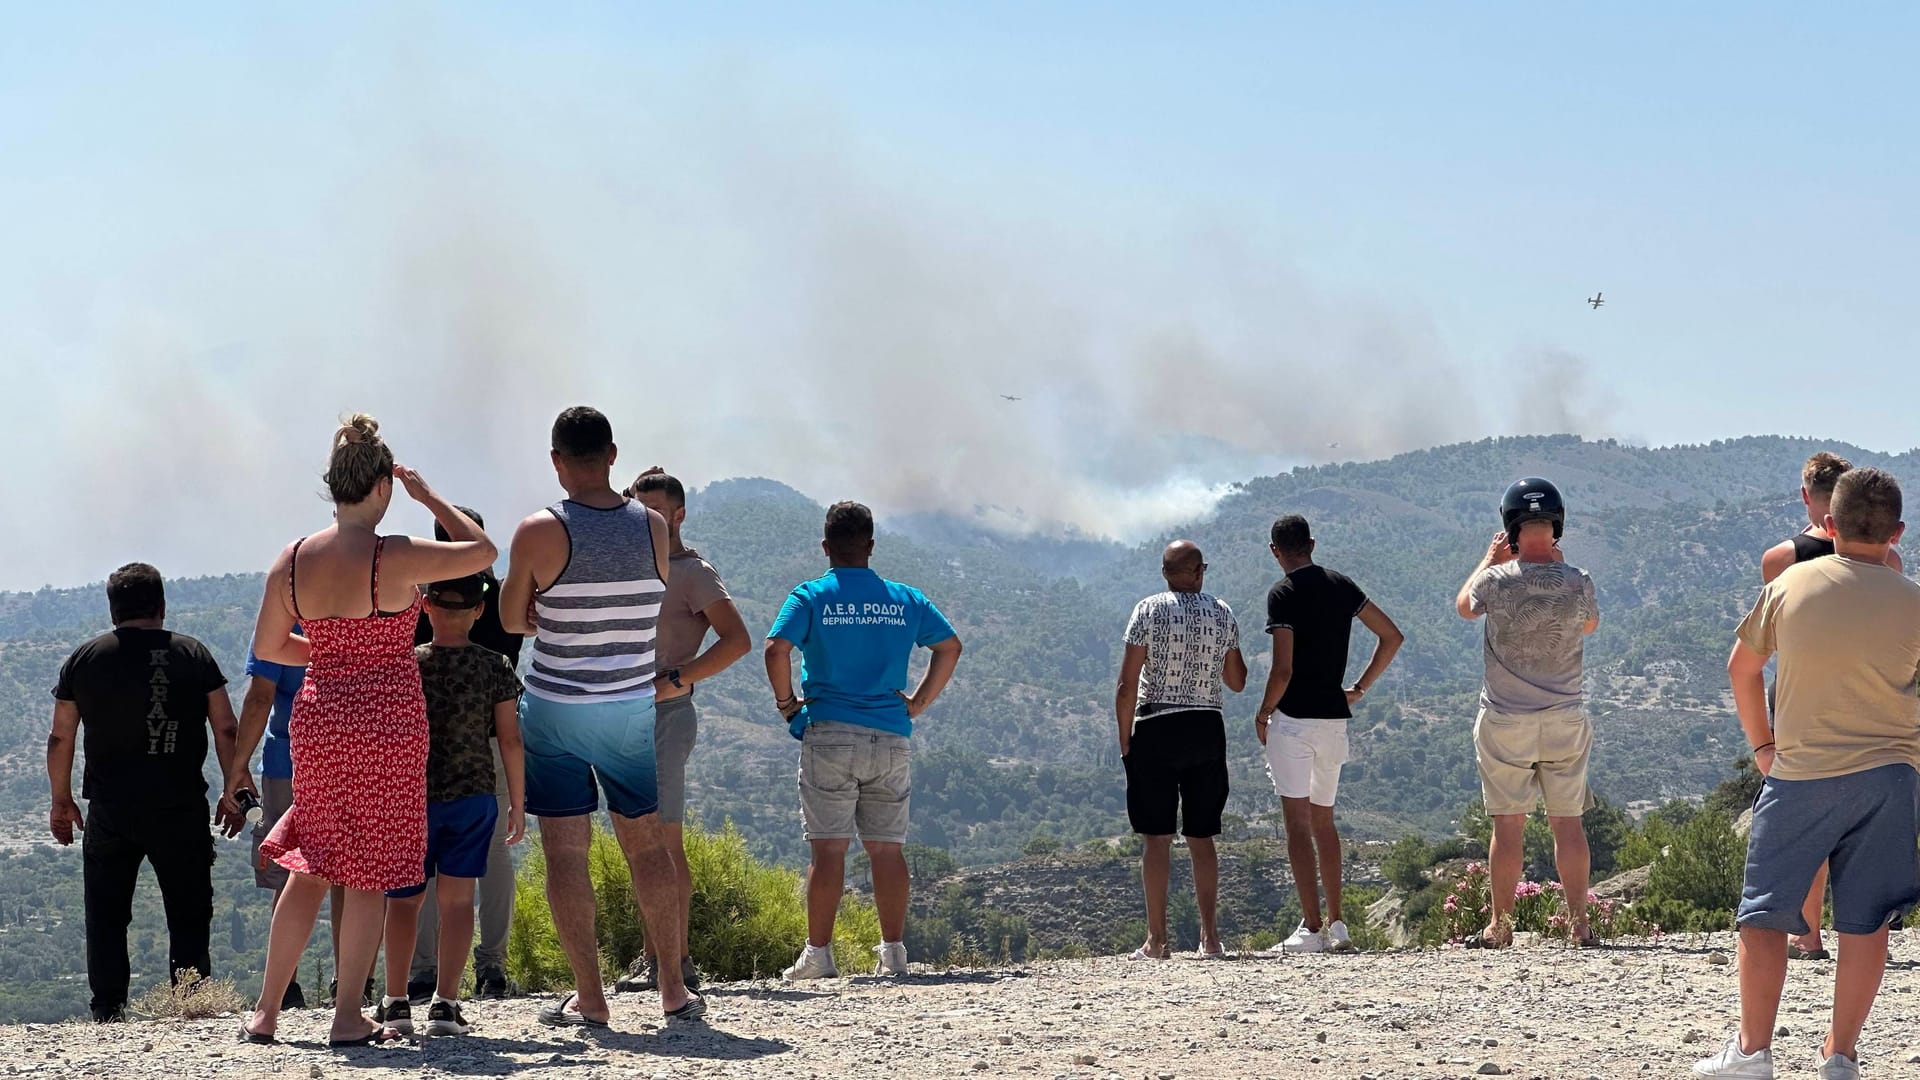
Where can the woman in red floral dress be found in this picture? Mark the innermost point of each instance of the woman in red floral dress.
(359, 728)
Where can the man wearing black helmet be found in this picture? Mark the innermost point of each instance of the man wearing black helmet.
(1532, 738)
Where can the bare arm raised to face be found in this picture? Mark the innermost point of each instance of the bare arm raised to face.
(419, 561)
(1498, 551)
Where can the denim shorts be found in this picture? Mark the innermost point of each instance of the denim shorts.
(1866, 824)
(575, 748)
(855, 781)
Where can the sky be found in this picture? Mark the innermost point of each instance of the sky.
(817, 244)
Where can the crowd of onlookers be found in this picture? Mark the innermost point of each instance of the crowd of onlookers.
(405, 740)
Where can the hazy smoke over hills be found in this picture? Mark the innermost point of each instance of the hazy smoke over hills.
(746, 288)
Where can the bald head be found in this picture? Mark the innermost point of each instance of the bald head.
(1183, 566)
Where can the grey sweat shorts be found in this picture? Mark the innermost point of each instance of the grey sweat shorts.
(855, 781)
(676, 727)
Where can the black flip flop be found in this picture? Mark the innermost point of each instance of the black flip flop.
(1795, 952)
(694, 1009)
(257, 1039)
(381, 1036)
(558, 1016)
(1484, 940)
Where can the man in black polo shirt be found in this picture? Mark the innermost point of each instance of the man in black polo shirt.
(145, 697)
(1303, 718)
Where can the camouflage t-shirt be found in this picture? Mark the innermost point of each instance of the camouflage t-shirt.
(462, 685)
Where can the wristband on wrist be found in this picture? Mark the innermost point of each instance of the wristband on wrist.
(1762, 746)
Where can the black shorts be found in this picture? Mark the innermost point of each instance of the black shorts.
(1177, 773)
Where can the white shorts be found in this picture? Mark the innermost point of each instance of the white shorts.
(1304, 757)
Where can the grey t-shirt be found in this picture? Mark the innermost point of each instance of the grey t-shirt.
(1536, 616)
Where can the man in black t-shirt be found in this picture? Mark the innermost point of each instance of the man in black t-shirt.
(1303, 717)
(141, 697)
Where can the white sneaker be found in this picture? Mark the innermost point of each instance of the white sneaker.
(1337, 938)
(893, 958)
(1730, 1062)
(814, 963)
(1304, 941)
(1839, 1067)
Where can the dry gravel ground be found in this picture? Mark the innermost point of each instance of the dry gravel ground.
(1539, 1011)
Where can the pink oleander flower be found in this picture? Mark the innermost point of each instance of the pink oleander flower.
(1473, 868)
(1556, 886)
(1526, 889)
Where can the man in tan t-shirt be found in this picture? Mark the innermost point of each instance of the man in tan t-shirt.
(696, 601)
(1840, 764)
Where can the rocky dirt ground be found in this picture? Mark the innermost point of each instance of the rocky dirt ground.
(1541, 1010)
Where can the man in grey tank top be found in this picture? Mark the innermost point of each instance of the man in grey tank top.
(586, 579)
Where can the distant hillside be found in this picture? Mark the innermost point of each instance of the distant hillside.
(1023, 744)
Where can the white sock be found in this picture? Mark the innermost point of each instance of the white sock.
(437, 999)
(391, 1001)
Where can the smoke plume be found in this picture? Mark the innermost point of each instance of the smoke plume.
(742, 283)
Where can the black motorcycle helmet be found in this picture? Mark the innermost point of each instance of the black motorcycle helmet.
(1532, 499)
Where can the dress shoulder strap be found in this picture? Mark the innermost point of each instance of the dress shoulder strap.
(379, 545)
(293, 590)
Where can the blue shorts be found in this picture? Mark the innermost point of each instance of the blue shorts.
(571, 744)
(1866, 823)
(458, 835)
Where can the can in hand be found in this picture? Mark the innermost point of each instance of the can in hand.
(249, 804)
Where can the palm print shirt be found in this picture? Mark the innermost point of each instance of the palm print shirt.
(1536, 617)
(1188, 637)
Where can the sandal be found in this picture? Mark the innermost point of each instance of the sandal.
(558, 1016)
(1589, 940)
(1489, 940)
(379, 1036)
(694, 1009)
(248, 1035)
(1141, 953)
(1795, 952)
(1217, 954)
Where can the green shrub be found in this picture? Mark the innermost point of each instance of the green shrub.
(1702, 868)
(1406, 863)
(747, 919)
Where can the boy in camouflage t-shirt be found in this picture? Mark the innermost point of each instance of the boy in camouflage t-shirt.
(472, 698)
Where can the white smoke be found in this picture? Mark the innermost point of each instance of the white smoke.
(734, 279)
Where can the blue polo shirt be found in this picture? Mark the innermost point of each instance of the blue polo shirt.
(276, 760)
(855, 631)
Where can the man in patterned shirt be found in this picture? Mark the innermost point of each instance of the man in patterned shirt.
(1532, 738)
(1180, 646)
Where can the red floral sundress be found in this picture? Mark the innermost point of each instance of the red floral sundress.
(358, 736)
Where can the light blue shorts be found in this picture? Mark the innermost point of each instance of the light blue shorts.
(572, 744)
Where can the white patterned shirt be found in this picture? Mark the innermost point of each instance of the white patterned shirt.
(1188, 637)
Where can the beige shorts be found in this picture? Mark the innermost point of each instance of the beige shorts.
(855, 781)
(276, 797)
(1529, 758)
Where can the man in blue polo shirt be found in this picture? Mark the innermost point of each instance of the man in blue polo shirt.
(856, 632)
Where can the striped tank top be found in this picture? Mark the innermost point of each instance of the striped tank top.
(594, 637)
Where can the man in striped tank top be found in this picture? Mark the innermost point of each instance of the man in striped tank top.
(586, 579)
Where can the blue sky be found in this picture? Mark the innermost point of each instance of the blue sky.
(813, 244)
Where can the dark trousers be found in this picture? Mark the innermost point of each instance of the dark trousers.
(178, 842)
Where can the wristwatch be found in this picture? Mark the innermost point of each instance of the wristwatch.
(673, 676)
